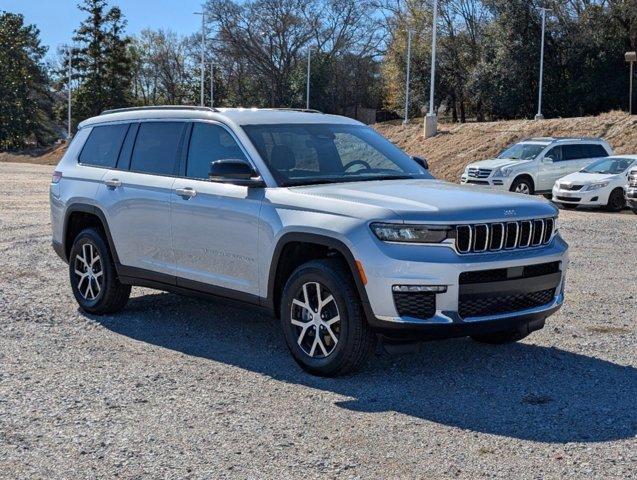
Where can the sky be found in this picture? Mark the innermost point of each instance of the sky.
(57, 19)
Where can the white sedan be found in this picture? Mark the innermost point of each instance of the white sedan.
(599, 184)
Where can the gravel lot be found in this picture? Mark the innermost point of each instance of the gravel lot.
(180, 388)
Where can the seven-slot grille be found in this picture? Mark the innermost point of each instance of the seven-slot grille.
(490, 237)
(570, 187)
(478, 172)
(632, 178)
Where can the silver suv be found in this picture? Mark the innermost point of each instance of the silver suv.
(315, 218)
(534, 165)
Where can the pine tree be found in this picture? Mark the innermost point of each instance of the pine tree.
(102, 62)
(25, 101)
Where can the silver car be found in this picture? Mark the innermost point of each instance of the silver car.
(315, 218)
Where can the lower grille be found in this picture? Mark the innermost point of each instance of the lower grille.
(568, 186)
(502, 274)
(486, 306)
(478, 182)
(569, 199)
(415, 304)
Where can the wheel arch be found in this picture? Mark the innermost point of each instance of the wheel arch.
(525, 176)
(277, 267)
(79, 216)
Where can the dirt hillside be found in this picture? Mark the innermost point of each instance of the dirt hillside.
(456, 145)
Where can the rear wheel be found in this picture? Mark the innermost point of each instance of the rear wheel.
(522, 185)
(323, 320)
(93, 276)
(616, 201)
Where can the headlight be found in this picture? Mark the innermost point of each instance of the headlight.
(391, 232)
(595, 186)
(502, 172)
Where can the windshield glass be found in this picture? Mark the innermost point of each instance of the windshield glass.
(609, 165)
(303, 154)
(522, 151)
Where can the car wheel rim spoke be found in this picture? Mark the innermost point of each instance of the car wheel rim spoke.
(89, 272)
(316, 320)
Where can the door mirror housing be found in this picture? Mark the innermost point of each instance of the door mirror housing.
(548, 159)
(236, 171)
(422, 162)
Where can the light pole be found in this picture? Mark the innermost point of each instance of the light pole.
(203, 51)
(631, 57)
(307, 93)
(212, 85)
(431, 121)
(539, 115)
(406, 120)
(68, 108)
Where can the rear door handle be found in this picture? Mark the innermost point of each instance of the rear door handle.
(186, 192)
(113, 183)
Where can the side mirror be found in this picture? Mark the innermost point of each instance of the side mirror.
(422, 162)
(548, 159)
(235, 171)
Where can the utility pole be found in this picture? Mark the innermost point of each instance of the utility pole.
(70, 67)
(631, 57)
(212, 85)
(539, 115)
(203, 51)
(431, 121)
(406, 120)
(307, 93)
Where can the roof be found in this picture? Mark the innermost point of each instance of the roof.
(237, 116)
(549, 140)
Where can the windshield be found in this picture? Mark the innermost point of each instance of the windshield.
(303, 154)
(609, 165)
(522, 151)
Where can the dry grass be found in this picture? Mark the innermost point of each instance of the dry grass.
(459, 144)
(38, 156)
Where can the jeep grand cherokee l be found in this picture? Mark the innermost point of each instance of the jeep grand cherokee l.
(316, 218)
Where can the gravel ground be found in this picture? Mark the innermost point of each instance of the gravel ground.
(180, 388)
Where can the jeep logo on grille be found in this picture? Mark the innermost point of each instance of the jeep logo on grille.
(509, 213)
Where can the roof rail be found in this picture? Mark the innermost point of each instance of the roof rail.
(560, 139)
(159, 107)
(284, 109)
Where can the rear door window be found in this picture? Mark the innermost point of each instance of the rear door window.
(157, 147)
(103, 145)
(209, 143)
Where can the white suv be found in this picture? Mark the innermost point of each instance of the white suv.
(315, 218)
(534, 165)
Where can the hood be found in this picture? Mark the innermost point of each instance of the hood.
(431, 200)
(579, 178)
(494, 163)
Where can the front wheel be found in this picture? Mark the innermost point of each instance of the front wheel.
(523, 186)
(323, 320)
(616, 201)
(93, 276)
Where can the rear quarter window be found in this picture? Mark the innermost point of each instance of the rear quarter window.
(103, 145)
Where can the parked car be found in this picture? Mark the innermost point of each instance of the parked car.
(533, 166)
(631, 191)
(315, 218)
(599, 184)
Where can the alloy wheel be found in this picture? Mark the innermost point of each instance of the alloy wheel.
(316, 319)
(89, 272)
(522, 188)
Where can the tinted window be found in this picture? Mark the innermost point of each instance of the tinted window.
(156, 147)
(596, 151)
(555, 153)
(103, 145)
(574, 152)
(207, 144)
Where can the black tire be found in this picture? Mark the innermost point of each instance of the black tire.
(108, 295)
(568, 206)
(355, 340)
(616, 201)
(499, 338)
(635, 211)
(522, 185)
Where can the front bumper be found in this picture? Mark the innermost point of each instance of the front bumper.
(630, 193)
(442, 266)
(502, 183)
(581, 197)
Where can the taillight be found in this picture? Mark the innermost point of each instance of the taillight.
(56, 177)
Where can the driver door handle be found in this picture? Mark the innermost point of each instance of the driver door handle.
(186, 192)
(113, 183)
